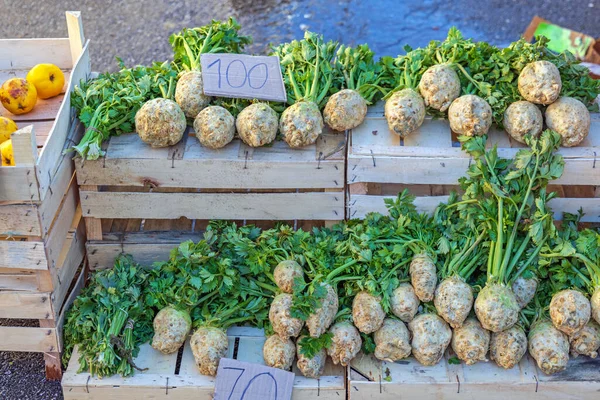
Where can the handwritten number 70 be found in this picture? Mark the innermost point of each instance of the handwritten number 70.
(247, 74)
(242, 370)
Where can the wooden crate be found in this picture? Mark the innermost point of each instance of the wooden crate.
(181, 380)
(430, 161)
(42, 235)
(371, 379)
(140, 189)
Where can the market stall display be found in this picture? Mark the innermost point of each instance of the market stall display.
(327, 271)
(42, 234)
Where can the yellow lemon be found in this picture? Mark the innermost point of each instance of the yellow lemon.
(48, 80)
(18, 96)
(7, 126)
(6, 152)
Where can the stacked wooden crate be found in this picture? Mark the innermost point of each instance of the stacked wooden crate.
(430, 161)
(42, 235)
(176, 376)
(145, 201)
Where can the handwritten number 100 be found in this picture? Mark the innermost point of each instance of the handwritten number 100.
(247, 74)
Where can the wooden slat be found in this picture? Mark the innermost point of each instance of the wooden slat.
(43, 340)
(58, 232)
(427, 156)
(24, 146)
(52, 361)
(146, 248)
(20, 282)
(18, 184)
(132, 163)
(42, 131)
(44, 110)
(93, 226)
(271, 206)
(360, 205)
(23, 220)
(370, 378)
(446, 171)
(61, 182)
(22, 255)
(76, 37)
(21, 305)
(69, 261)
(25, 53)
(26, 280)
(19, 220)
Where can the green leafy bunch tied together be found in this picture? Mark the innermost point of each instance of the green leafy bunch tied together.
(509, 200)
(463, 250)
(107, 105)
(109, 320)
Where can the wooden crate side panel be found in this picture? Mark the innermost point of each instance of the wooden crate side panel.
(102, 255)
(20, 282)
(145, 247)
(130, 162)
(51, 154)
(62, 180)
(23, 305)
(19, 220)
(268, 206)
(26, 53)
(360, 205)
(34, 219)
(152, 382)
(446, 171)
(25, 280)
(64, 220)
(372, 378)
(25, 155)
(69, 261)
(160, 380)
(42, 340)
(18, 184)
(24, 146)
(212, 174)
(428, 156)
(23, 255)
(493, 391)
(75, 32)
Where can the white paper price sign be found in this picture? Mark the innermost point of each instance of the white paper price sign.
(238, 380)
(242, 76)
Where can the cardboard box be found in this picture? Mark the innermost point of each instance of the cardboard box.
(582, 46)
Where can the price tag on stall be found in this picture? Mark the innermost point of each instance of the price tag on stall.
(238, 380)
(242, 76)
